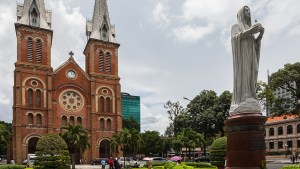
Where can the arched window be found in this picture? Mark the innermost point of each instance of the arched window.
(30, 118)
(101, 104)
(298, 128)
(38, 51)
(63, 120)
(271, 132)
(29, 50)
(290, 143)
(280, 145)
(271, 145)
(101, 61)
(39, 120)
(38, 99)
(72, 120)
(101, 124)
(104, 33)
(34, 17)
(108, 105)
(289, 129)
(30, 97)
(108, 58)
(280, 130)
(108, 124)
(79, 120)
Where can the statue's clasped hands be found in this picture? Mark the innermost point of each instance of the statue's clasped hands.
(256, 28)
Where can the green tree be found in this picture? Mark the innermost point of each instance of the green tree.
(174, 109)
(288, 79)
(5, 134)
(224, 102)
(265, 95)
(218, 151)
(131, 123)
(128, 140)
(52, 152)
(152, 143)
(77, 140)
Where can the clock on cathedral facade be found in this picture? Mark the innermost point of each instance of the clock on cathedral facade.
(45, 100)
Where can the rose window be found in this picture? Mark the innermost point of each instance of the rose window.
(71, 101)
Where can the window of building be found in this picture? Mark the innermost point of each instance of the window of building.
(72, 120)
(38, 51)
(29, 50)
(108, 105)
(101, 104)
(280, 145)
(64, 121)
(271, 132)
(280, 130)
(289, 129)
(39, 120)
(298, 143)
(30, 118)
(30, 97)
(290, 143)
(108, 124)
(101, 61)
(79, 120)
(104, 33)
(38, 99)
(298, 128)
(34, 17)
(108, 58)
(101, 124)
(271, 145)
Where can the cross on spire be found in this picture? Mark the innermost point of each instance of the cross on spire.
(71, 54)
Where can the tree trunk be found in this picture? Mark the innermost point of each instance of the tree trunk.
(73, 160)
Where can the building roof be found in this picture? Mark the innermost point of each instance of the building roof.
(99, 21)
(280, 118)
(23, 12)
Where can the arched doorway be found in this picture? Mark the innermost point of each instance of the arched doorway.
(104, 149)
(32, 142)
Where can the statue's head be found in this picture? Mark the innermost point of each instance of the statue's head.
(244, 16)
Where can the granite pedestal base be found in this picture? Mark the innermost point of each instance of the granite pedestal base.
(245, 141)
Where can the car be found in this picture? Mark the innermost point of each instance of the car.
(159, 159)
(97, 161)
(203, 158)
(128, 162)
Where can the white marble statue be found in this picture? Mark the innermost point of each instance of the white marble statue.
(245, 40)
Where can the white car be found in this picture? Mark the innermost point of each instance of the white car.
(128, 162)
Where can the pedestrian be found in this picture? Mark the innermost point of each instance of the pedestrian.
(111, 163)
(103, 162)
(116, 163)
(85, 161)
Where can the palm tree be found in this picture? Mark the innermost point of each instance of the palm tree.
(77, 140)
(4, 135)
(128, 140)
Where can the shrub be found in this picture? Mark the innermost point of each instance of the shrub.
(291, 166)
(199, 165)
(52, 152)
(218, 152)
(12, 166)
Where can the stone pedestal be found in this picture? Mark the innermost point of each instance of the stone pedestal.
(245, 141)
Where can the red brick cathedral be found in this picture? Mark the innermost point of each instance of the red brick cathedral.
(46, 100)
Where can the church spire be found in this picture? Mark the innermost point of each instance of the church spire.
(99, 27)
(33, 13)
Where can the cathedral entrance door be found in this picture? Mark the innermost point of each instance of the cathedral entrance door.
(32, 142)
(104, 149)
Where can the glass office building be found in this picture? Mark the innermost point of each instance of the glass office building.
(131, 108)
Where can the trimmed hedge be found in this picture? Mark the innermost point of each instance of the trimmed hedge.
(12, 166)
(218, 152)
(297, 166)
(52, 152)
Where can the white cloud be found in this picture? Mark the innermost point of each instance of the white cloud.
(160, 14)
(191, 33)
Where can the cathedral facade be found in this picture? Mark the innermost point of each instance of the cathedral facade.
(47, 99)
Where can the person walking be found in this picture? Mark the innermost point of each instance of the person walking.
(111, 163)
(103, 162)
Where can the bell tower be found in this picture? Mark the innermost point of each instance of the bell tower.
(32, 91)
(101, 56)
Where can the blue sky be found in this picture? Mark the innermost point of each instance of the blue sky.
(170, 49)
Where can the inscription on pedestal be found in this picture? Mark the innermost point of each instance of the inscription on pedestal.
(258, 143)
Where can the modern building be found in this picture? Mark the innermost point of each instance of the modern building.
(44, 100)
(131, 108)
(282, 134)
